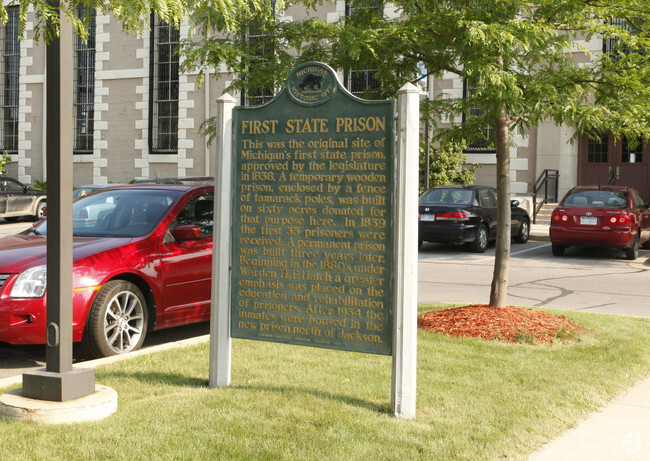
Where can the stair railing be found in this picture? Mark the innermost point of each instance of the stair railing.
(548, 181)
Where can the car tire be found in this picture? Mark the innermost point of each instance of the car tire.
(633, 252)
(39, 211)
(558, 250)
(117, 321)
(646, 245)
(524, 231)
(480, 243)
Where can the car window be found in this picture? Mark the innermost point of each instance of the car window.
(11, 186)
(596, 198)
(638, 201)
(487, 198)
(450, 196)
(118, 213)
(199, 212)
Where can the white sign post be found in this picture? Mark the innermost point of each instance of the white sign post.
(220, 310)
(406, 255)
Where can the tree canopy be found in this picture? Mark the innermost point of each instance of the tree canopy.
(526, 61)
(130, 13)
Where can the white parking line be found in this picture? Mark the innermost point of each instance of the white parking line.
(530, 249)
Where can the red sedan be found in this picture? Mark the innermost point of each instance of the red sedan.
(601, 216)
(142, 260)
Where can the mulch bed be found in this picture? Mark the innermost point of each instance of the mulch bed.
(507, 324)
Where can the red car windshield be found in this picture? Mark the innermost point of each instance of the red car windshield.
(118, 213)
(596, 198)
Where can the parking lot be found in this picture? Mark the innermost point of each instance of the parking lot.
(584, 279)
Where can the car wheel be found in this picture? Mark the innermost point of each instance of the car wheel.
(39, 211)
(633, 252)
(117, 322)
(480, 243)
(558, 250)
(646, 245)
(524, 232)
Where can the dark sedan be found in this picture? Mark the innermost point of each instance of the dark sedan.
(17, 199)
(466, 215)
(601, 216)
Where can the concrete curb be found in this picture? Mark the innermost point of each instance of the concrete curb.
(13, 380)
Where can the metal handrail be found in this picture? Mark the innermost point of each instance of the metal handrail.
(543, 181)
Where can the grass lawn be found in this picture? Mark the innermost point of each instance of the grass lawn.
(476, 400)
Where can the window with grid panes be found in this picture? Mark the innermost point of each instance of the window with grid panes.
(260, 46)
(163, 113)
(597, 150)
(480, 145)
(84, 87)
(611, 45)
(362, 82)
(9, 81)
(631, 155)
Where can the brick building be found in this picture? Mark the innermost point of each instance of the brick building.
(137, 116)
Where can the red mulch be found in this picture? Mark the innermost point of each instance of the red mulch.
(508, 324)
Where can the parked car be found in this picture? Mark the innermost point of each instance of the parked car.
(81, 191)
(466, 214)
(88, 189)
(18, 199)
(142, 260)
(601, 216)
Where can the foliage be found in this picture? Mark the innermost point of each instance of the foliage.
(447, 165)
(133, 14)
(40, 185)
(518, 56)
(523, 61)
(5, 159)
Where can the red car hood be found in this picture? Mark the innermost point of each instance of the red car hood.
(20, 252)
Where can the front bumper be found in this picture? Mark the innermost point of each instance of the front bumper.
(24, 320)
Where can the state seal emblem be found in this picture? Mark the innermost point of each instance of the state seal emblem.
(312, 83)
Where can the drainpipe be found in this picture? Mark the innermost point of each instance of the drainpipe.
(206, 95)
(43, 130)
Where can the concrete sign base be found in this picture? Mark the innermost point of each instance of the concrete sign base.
(98, 405)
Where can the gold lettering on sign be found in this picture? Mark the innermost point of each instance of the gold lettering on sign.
(313, 218)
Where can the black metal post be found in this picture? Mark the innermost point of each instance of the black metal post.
(59, 381)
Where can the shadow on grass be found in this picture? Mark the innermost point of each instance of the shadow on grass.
(179, 380)
(159, 378)
(344, 399)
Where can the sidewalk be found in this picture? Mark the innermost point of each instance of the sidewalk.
(618, 432)
(539, 232)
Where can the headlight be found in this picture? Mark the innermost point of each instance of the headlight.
(31, 283)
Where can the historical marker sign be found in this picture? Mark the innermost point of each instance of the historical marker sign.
(312, 220)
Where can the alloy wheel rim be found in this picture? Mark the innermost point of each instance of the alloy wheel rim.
(123, 322)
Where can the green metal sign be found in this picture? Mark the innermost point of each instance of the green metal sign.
(313, 217)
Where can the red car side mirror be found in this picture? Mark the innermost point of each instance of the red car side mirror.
(187, 232)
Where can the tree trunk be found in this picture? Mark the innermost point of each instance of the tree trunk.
(499, 290)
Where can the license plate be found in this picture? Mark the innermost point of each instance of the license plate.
(588, 220)
(427, 217)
